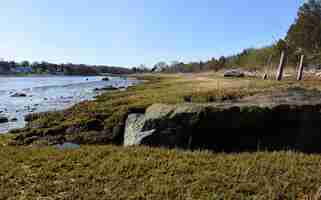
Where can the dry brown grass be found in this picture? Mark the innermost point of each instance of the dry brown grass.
(110, 172)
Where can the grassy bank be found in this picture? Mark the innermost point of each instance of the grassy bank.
(109, 172)
(114, 172)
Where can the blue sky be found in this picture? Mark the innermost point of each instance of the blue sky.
(133, 32)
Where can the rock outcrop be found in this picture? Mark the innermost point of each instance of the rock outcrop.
(229, 128)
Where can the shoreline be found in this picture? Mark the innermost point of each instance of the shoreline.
(44, 75)
(45, 105)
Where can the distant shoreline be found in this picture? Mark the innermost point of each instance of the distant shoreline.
(45, 75)
(61, 75)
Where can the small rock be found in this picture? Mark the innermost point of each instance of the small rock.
(110, 88)
(67, 145)
(14, 120)
(105, 79)
(211, 99)
(4, 120)
(188, 99)
(19, 95)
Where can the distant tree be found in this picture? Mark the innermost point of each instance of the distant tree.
(212, 65)
(222, 61)
(25, 63)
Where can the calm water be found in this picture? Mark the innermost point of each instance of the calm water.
(47, 94)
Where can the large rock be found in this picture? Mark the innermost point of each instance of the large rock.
(234, 73)
(162, 125)
(228, 127)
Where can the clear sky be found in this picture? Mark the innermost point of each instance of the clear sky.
(133, 32)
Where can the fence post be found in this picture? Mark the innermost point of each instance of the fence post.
(279, 74)
(300, 70)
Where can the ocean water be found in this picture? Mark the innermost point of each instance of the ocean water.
(47, 94)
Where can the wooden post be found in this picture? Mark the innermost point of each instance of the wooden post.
(270, 72)
(268, 63)
(300, 70)
(265, 76)
(279, 74)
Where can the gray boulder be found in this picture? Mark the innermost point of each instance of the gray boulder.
(234, 73)
(162, 125)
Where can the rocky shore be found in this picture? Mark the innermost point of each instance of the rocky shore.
(21, 96)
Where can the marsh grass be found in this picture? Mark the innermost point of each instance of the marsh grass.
(115, 172)
(111, 109)
(110, 172)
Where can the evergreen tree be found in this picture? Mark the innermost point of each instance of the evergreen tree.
(305, 33)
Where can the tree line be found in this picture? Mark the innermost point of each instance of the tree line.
(303, 38)
(25, 67)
